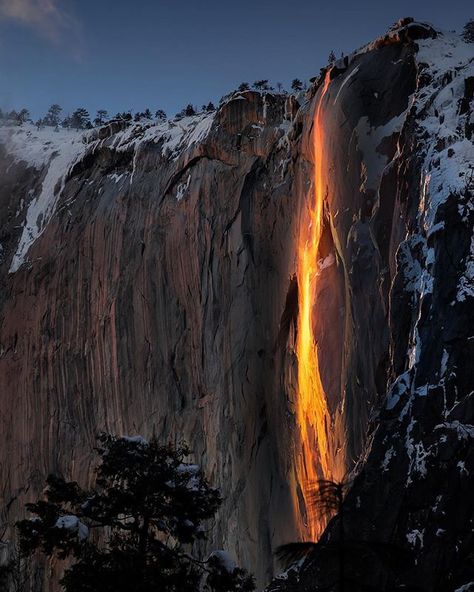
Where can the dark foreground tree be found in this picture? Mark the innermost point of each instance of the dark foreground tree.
(134, 531)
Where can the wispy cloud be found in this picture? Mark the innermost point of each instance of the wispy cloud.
(48, 18)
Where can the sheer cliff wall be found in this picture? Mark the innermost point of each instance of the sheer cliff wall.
(153, 289)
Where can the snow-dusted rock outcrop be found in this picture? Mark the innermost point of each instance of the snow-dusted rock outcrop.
(412, 487)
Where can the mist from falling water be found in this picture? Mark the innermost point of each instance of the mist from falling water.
(315, 460)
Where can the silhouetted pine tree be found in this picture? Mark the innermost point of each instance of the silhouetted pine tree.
(149, 506)
(296, 85)
(101, 117)
(53, 116)
(80, 119)
(22, 116)
(261, 85)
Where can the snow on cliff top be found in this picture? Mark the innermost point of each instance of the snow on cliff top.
(176, 135)
(36, 147)
(448, 167)
(446, 58)
(58, 151)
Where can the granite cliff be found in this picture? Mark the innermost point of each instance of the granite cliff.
(149, 276)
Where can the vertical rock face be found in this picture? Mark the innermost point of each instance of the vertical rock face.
(405, 166)
(150, 303)
(149, 286)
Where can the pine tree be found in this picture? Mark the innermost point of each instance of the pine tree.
(101, 117)
(244, 86)
(261, 85)
(331, 57)
(53, 116)
(296, 85)
(23, 116)
(80, 119)
(149, 507)
(210, 106)
(124, 116)
(160, 114)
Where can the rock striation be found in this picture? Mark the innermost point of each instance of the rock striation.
(149, 285)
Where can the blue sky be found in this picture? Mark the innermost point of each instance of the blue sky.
(122, 54)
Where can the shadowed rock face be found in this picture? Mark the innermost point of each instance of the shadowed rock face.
(160, 297)
(405, 247)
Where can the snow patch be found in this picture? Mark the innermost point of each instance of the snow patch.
(174, 135)
(224, 560)
(182, 188)
(415, 537)
(416, 454)
(70, 522)
(464, 431)
(399, 388)
(187, 469)
(39, 150)
(389, 454)
(135, 440)
(466, 588)
(345, 81)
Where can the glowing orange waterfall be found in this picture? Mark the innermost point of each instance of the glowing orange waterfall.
(314, 461)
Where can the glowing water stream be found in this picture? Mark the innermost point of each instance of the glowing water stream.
(313, 417)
